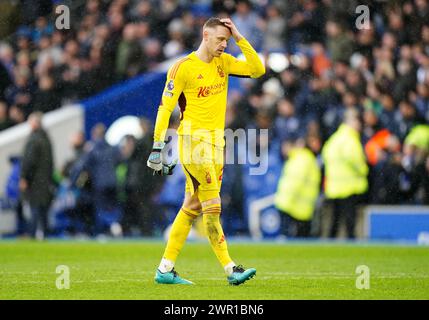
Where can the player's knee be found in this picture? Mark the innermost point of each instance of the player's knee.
(211, 202)
(195, 207)
(192, 203)
(212, 207)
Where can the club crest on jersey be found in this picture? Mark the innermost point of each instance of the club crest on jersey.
(208, 177)
(220, 71)
(170, 85)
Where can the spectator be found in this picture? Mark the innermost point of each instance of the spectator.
(5, 80)
(9, 17)
(365, 41)
(405, 80)
(23, 64)
(83, 211)
(305, 25)
(7, 63)
(20, 93)
(386, 173)
(371, 125)
(396, 26)
(414, 162)
(129, 58)
(346, 172)
(405, 118)
(16, 114)
(167, 11)
(287, 125)
(249, 23)
(380, 142)
(13, 196)
(145, 12)
(320, 61)
(274, 29)
(32, 9)
(176, 44)
(42, 27)
(140, 186)
(45, 98)
(100, 162)
(4, 117)
(422, 101)
(36, 182)
(425, 182)
(340, 43)
(387, 113)
(423, 69)
(132, 206)
(298, 189)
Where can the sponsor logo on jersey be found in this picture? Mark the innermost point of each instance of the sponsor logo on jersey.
(200, 76)
(203, 92)
(206, 91)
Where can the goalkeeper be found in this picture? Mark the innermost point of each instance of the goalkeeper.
(199, 84)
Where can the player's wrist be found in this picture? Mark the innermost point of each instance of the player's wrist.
(238, 37)
(158, 146)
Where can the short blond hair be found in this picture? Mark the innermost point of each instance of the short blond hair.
(214, 22)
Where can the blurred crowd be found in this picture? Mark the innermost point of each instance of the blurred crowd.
(102, 189)
(380, 74)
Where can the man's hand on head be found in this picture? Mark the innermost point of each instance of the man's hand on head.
(234, 31)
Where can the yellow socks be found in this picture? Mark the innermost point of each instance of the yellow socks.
(179, 232)
(214, 231)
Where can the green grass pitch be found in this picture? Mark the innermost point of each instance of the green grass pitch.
(125, 270)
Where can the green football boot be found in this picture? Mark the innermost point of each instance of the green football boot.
(171, 277)
(240, 275)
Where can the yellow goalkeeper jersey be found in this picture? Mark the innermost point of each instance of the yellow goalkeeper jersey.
(201, 89)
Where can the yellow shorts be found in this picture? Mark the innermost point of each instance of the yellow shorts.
(202, 164)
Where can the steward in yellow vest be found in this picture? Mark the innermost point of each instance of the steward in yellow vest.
(346, 171)
(298, 189)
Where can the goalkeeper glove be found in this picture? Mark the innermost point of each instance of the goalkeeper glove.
(156, 163)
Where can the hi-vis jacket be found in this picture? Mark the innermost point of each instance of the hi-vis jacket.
(346, 169)
(299, 185)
